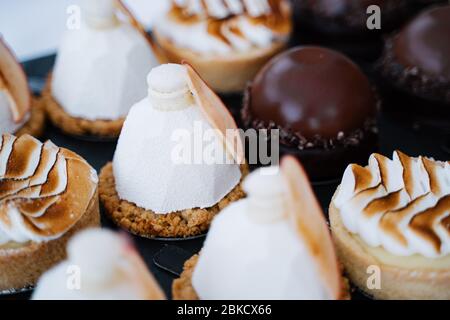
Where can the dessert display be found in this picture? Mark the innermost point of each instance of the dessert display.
(19, 112)
(227, 42)
(279, 248)
(100, 71)
(323, 106)
(395, 215)
(417, 59)
(109, 267)
(151, 188)
(47, 194)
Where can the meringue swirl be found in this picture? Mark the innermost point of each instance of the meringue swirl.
(44, 190)
(223, 26)
(402, 204)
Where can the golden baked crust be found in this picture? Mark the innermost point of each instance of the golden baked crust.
(78, 126)
(182, 288)
(397, 282)
(146, 223)
(225, 74)
(21, 267)
(36, 124)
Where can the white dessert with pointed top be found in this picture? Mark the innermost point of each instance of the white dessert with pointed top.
(163, 162)
(254, 249)
(101, 67)
(107, 267)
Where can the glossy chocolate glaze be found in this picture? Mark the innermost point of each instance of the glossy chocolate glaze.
(425, 43)
(342, 7)
(314, 92)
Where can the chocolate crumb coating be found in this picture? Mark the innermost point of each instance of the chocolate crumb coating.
(417, 59)
(320, 101)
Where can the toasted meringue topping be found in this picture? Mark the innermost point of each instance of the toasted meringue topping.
(44, 190)
(13, 85)
(220, 26)
(400, 204)
(110, 268)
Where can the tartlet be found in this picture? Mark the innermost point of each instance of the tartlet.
(274, 244)
(108, 266)
(19, 112)
(149, 189)
(392, 217)
(226, 42)
(99, 71)
(47, 195)
(308, 93)
(416, 60)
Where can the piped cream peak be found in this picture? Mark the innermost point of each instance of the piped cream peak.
(266, 195)
(168, 88)
(100, 14)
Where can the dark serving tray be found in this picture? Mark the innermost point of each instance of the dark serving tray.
(165, 258)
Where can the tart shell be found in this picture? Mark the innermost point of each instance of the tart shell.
(78, 126)
(146, 223)
(21, 267)
(225, 74)
(397, 283)
(35, 125)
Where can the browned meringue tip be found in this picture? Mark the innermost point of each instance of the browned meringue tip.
(134, 22)
(216, 113)
(311, 225)
(15, 81)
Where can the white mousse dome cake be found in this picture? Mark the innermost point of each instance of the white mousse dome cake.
(101, 66)
(257, 249)
(162, 165)
(108, 267)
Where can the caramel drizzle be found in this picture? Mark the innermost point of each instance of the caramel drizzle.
(277, 20)
(392, 211)
(54, 197)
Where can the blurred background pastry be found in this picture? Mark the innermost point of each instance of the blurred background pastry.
(415, 67)
(102, 266)
(226, 41)
(47, 195)
(20, 113)
(100, 71)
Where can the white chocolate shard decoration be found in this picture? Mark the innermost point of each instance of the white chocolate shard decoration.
(44, 190)
(217, 114)
(219, 26)
(170, 157)
(101, 68)
(111, 269)
(279, 246)
(13, 85)
(401, 204)
(310, 224)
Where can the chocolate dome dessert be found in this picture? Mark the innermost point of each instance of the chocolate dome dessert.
(323, 105)
(417, 59)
